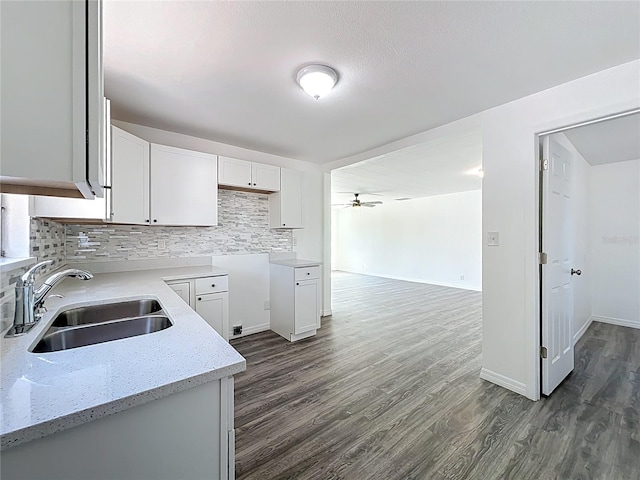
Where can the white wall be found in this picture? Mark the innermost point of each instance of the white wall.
(510, 207)
(581, 218)
(432, 240)
(615, 242)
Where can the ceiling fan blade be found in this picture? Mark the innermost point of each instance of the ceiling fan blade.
(377, 202)
(367, 204)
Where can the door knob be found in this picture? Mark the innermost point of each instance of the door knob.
(576, 272)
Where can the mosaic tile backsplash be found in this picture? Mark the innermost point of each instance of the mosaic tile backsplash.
(243, 228)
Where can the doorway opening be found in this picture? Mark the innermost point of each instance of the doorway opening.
(589, 237)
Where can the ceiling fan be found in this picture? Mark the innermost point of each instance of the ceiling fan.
(356, 202)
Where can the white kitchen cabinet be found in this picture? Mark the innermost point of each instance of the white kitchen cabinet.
(51, 101)
(183, 187)
(68, 208)
(244, 175)
(193, 429)
(286, 206)
(295, 299)
(183, 289)
(214, 308)
(159, 185)
(209, 297)
(129, 196)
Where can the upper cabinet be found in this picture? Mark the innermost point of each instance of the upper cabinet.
(286, 206)
(183, 187)
(51, 101)
(244, 175)
(128, 199)
(159, 185)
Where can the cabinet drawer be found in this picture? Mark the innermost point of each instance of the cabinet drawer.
(212, 284)
(307, 273)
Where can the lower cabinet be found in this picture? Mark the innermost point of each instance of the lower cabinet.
(214, 308)
(209, 297)
(188, 435)
(295, 300)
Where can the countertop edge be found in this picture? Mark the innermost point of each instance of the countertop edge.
(44, 429)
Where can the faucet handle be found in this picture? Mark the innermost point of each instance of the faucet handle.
(28, 278)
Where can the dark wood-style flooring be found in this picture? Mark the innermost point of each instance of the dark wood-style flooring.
(390, 389)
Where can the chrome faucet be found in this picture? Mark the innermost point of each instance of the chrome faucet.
(30, 301)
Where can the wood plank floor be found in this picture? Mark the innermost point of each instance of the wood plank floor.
(390, 389)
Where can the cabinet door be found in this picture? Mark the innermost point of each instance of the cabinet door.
(307, 306)
(265, 177)
(234, 172)
(183, 289)
(184, 187)
(51, 85)
(129, 196)
(214, 308)
(291, 203)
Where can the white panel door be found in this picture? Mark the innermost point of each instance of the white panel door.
(307, 306)
(557, 242)
(265, 177)
(184, 187)
(214, 308)
(291, 199)
(129, 197)
(234, 172)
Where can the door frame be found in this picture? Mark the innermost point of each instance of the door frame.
(534, 331)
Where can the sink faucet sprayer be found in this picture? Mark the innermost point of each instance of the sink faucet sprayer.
(29, 301)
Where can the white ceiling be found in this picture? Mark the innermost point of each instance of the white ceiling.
(616, 140)
(225, 71)
(433, 168)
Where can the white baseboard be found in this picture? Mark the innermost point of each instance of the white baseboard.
(616, 321)
(263, 327)
(326, 313)
(578, 335)
(506, 382)
(474, 288)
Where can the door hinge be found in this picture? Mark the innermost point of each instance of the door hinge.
(542, 258)
(544, 164)
(543, 352)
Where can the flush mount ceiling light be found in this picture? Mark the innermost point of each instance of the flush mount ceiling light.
(317, 80)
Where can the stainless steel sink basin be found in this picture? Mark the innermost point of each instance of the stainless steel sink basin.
(91, 324)
(108, 311)
(57, 339)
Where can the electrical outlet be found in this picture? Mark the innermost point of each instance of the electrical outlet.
(267, 305)
(461, 277)
(237, 330)
(162, 244)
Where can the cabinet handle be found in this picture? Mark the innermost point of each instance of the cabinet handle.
(155, 220)
(297, 283)
(147, 220)
(308, 273)
(249, 183)
(284, 224)
(213, 285)
(199, 298)
(254, 184)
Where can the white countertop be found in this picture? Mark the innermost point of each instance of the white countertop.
(296, 262)
(50, 392)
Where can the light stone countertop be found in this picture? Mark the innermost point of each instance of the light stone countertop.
(49, 392)
(293, 262)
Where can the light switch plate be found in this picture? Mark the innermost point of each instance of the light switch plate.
(162, 244)
(493, 239)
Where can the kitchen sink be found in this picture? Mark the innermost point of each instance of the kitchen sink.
(57, 339)
(91, 324)
(107, 311)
